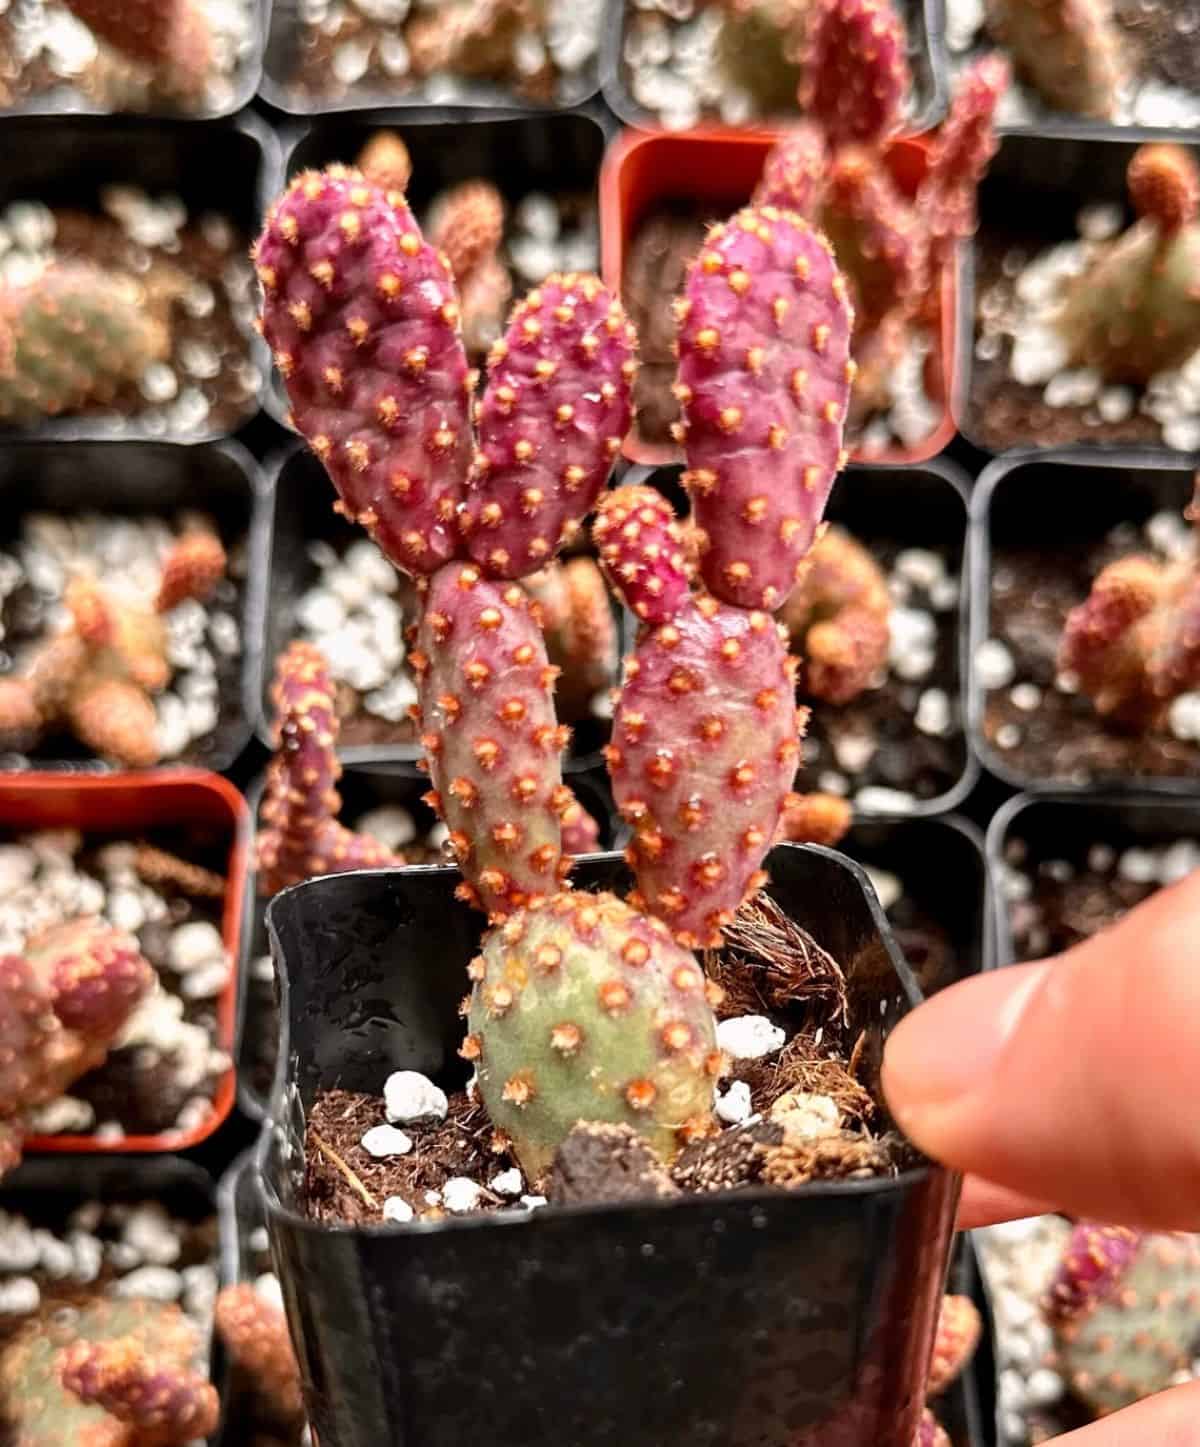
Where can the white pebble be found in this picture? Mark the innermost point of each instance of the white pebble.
(391, 825)
(1026, 697)
(507, 1183)
(887, 886)
(57, 1258)
(1116, 404)
(17, 865)
(397, 1210)
(1043, 1388)
(933, 712)
(126, 910)
(66, 1115)
(19, 1297)
(1075, 388)
(750, 1037)
(411, 1098)
(460, 1194)
(805, 1116)
(734, 1106)
(149, 1231)
(994, 664)
(155, 1283)
(386, 1140)
(920, 567)
(854, 751)
(875, 799)
(433, 1198)
(194, 946)
(1184, 717)
(19, 1249)
(533, 1203)
(1179, 861)
(1138, 866)
(206, 983)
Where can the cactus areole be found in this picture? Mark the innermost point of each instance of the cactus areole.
(582, 1006)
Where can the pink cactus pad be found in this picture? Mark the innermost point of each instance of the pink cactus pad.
(764, 384)
(705, 746)
(302, 837)
(930, 1432)
(641, 548)
(793, 178)
(877, 237)
(580, 829)
(364, 323)
(168, 1403)
(28, 1034)
(856, 76)
(551, 423)
(958, 1331)
(965, 145)
(1095, 1260)
(96, 976)
(490, 736)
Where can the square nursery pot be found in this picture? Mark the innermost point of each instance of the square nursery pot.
(778, 1319)
(1063, 504)
(363, 787)
(890, 510)
(301, 516)
(161, 480)
(923, 19)
(1057, 829)
(294, 81)
(556, 155)
(228, 170)
(718, 169)
(237, 90)
(1036, 186)
(121, 806)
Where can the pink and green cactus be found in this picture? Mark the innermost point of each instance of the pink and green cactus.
(1069, 51)
(1124, 1308)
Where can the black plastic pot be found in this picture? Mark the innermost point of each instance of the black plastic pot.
(286, 36)
(144, 479)
(765, 1318)
(553, 153)
(362, 787)
(230, 168)
(67, 100)
(925, 21)
(968, 1409)
(1034, 189)
(920, 506)
(300, 514)
(1064, 498)
(1063, 826)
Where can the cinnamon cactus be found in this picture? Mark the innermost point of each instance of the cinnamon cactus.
(62, 1005)
(1134, 644)
(385, 160)
(255, 1334)
(642, 551)
(111, 1371)
(580, 632)
(1135, 309)
(467, 225)
(1069, 51)
(1124, 1310)
(303, 838)
(837, 618)
(173, 36)
(815, 819)
(856, 75)
(583, 1009)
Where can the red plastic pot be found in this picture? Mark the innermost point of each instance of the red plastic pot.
(128, 805)
(722, 167)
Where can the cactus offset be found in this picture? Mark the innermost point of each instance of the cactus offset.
(490, 736)
(1069, 51)
(794, 176)
(78, 334)
(303, 838)
(1134, 644)
(764, 384)
(580, 829)
(642, 551)
(193, 567)
(815, 819)
(856, 76)
(1135, 310)
(255, 1333)
(551, 422)
(583, 1009)
(580, 633)
(138, 1345)
(364, 324)
(174, 36)
(878, 238)
(1124, 1309)
(837, 619)
(929, 1432)
(386, 161)
(958, 1331)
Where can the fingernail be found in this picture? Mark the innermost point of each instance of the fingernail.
(951, 1046)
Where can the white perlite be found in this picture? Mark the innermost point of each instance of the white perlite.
(460, 1194)
(386, 1140)
(750, 1037)
(507, 1183)
(734, 1105)
(19, 1296)
(397, 1210)
(411, 1098)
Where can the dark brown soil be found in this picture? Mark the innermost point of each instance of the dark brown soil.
(770, 964)
(232, 398)
(926, 944)
(1160, 31)
(1063, 739)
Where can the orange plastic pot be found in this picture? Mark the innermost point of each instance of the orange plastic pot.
(718, 167)
(127, 805)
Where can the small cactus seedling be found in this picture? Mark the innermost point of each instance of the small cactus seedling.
(1125, 1309)
(856, 76)
(838, 619)
(764, 385)
(580, 632)
(1135, 310)
(108, 1373)
(958, 1331)
(303, 838)
(73, 335)
(1069, 51)
(255, 1333)
(1134, 644)
(584, 1009)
